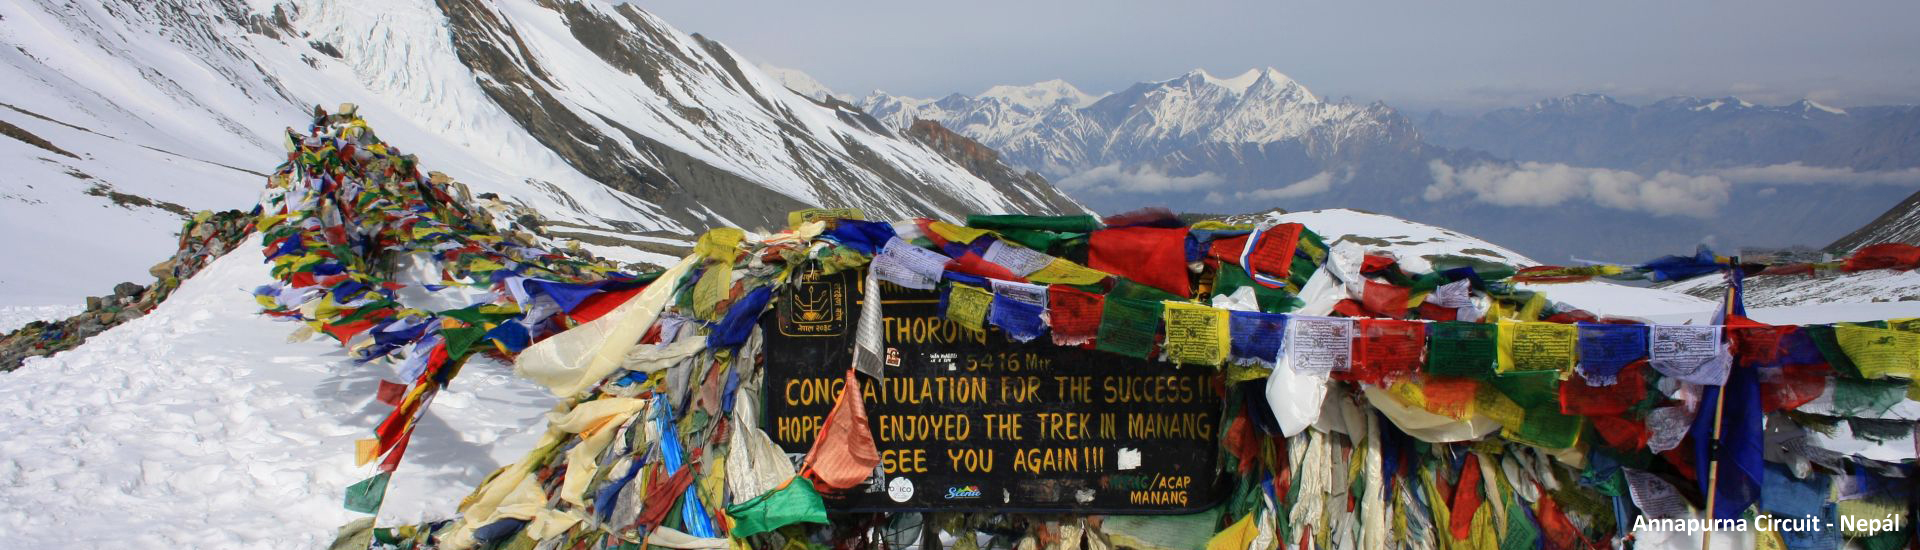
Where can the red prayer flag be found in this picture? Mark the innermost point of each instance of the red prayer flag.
(1579, 398)
(1466, 499)
(391, 393)
(597, 305)
(1151, 256)
(1386, 300)
(1432, 312)
(1884, 256)
(1228, 249)
(1073, 315)
(1273, 255)
(1385, 350)
(972, 264)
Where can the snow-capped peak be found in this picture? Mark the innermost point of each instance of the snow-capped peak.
(1040, 95)
(1243, 82)
(1729, 101)
(1811, 105)
(798, 81)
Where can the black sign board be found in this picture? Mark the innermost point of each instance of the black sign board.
(971, 420)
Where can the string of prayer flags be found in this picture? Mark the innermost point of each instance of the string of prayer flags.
(1532, 345)
(1605, 349)
(1693, 353)
(1129, 327)
(1386, 350)
(1196, 334)
(1020, 260)
(1457, 348)
(1319, 344)
(1256, 336)
(902, 263)
(971, 263)
(1073, 315)
(1879, 352)
(1018, 310)
(1151, 256)
(1061, 224)
(968, 305)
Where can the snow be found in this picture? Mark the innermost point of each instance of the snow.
(14, 317)
(1413, 243)
(1041, 95)
(798, 81)
(200, 426)
(1862, 287)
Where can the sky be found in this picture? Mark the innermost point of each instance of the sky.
(1458, 55)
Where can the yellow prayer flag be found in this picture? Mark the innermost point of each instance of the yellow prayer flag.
(968, 305)
(720, 244)
(1238, 536)
(484, 265)
(1531, 345)
(1906, 324)
(365, 450)
(1881, 352)
(710, 290)
(1063, 272)
(798, 218)
(1534, 306)
(956, 233)
(1196, 334)
(1498, 407)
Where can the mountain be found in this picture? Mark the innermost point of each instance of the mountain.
(1723, 172)
(1687, 134)
(800, 82)
(121, 115)
(1190, 141)
(1900, 224)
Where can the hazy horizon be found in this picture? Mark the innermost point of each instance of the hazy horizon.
(1414, 55)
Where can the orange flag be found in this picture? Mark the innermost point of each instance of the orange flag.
(844, 455)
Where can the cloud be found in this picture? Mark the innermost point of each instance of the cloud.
(1541, 184)
(1147, 179)
(1318, 183)
(1797, 172)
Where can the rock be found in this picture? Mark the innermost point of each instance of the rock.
(93, 303)
(128, 289)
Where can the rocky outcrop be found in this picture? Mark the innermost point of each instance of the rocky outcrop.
(206, 236)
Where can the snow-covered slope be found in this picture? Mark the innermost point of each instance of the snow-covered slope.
(798, 81)
(591, 114)
(199, 426)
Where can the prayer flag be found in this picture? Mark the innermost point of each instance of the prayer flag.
(1386, 350)
(1196, 334)
(1693, 353)
(968, 305)
(1128, 327)
(1073, 315)
(1319, 344)
(904, 264)
(1879, 352)
(1148, 255)
(1457, 348)
(1605, 349)
(1256, 336)
(1536, 346)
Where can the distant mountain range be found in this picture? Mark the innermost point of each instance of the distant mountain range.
(1546, 179)
(1688, 134)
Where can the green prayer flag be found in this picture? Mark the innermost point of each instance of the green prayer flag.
(1457, 348)
(798, 502)
(1522, 534)
(1062, 224)
(365, 497)
(1128, 327)
(1829, 343)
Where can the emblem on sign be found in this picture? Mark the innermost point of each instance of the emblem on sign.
(815, 306)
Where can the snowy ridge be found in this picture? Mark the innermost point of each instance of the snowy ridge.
(243, 439)
(1057, 130)
(589, 113)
